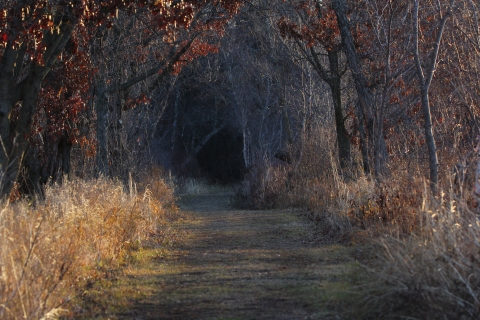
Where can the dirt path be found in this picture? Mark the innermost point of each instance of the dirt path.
(241, 265)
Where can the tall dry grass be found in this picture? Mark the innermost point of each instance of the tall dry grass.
(82, 229)
(426, 248)
(426, 262)
(433, 272)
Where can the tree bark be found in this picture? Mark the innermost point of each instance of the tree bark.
(58, 151)
(10, 92)
(22, 129)
(336, 89)
(31, 180)
(363, 142)
(430, 139)
(66, 148)
(101, 106)
(6, 101)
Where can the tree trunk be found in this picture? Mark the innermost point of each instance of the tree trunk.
(51, 151)
(430, 140)
(58, 151)
(7, 101)
(363, 142)
(364, 96)
(333, 78)
(6, 104)
(245, 150)
(30, 180)
(101, 105)
(175, 110)
(336, 89)
(66, 148)
(477, 171)
(380, 153)
(286, 125)
(425, 80)
(13, 164)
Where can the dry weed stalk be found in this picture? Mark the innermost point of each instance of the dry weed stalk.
(84, 228)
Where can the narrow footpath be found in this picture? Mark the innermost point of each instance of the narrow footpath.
(238, 264)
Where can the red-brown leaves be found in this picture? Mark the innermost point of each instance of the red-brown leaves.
(287, 28)
(37, 26)
(319, 26)
(63, 95)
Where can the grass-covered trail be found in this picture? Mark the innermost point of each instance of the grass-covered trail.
(236, 264)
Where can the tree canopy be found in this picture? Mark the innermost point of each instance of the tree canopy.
(114, 78)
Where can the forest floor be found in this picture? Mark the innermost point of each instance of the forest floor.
(235, 264)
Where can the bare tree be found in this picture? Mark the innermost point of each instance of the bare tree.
(425, 75)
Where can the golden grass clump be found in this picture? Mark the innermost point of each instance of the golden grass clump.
(434, 272)
(83, 228)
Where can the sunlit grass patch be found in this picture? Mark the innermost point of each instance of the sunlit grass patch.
(79, 235)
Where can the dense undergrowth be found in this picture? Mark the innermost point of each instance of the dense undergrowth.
(425, 248)
(82, 231)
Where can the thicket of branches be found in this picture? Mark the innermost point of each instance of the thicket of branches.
(128, 84)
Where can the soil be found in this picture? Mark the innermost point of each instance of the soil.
(238, 264)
